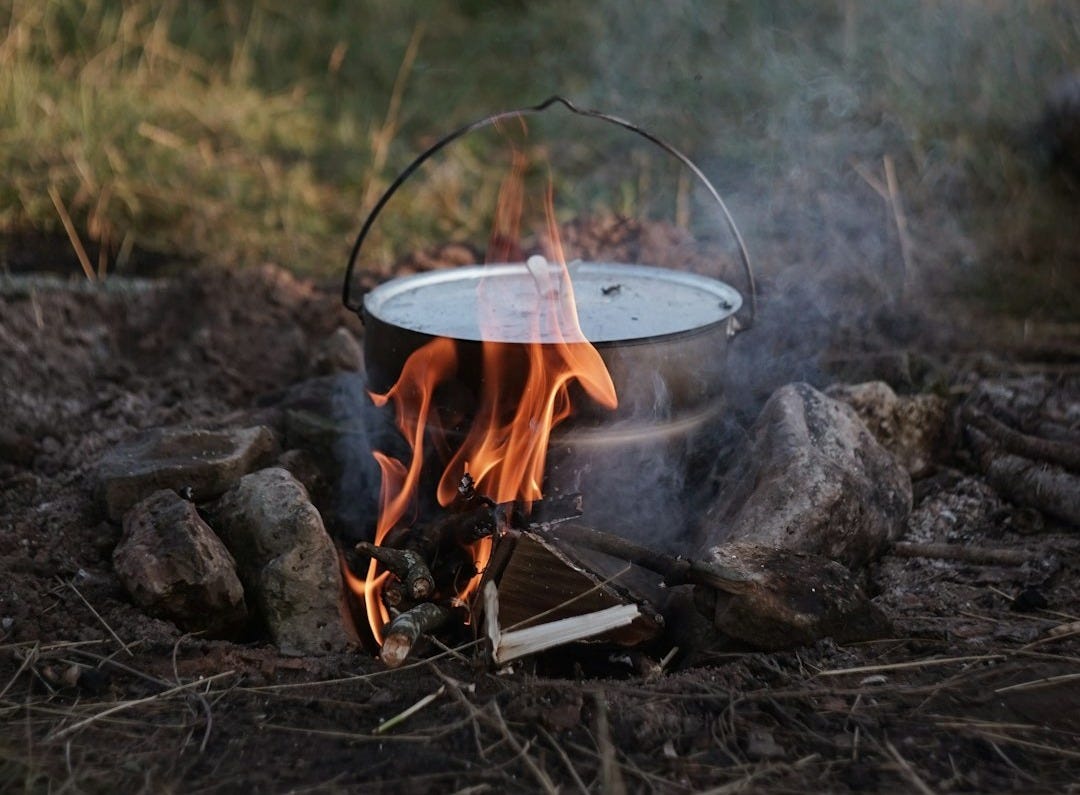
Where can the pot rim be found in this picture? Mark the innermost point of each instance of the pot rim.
(729, 300)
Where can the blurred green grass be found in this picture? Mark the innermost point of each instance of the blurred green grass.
(244, 132)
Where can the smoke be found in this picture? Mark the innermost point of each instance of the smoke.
(851, 142)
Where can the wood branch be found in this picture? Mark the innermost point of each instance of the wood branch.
(675, 570)
(980, 556)
(405, 564)
(1049, 488)
(1052, 452)
(394, 593)
(403, 632)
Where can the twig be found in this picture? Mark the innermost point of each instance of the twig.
(665, 661)
(199, 696)
(344, 735)
(565, 760)
(523, 751)
(97, 615)
(28, 660)
(909, 772)
(1064, 630)
(406, 629)
(72, 234)
(879, 187)
(610, 775)
(1028, 744)
(1023, 773)
(931, 662)
(382, 138)
(390, 723)
(901, 220)
(137, 702)
(966, 554)
(405, 564)
(1035, 683)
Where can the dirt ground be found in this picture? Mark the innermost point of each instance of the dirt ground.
(975, 693)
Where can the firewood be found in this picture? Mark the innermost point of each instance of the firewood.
(405, 564)
(1060, 453)
(1052, 489)
(403, 632)
(509, 645)
(675, 570)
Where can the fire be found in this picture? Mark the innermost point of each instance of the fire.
(525, 395)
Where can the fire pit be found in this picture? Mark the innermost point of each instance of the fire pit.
(491, 369)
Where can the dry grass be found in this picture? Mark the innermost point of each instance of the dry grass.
(243, 132)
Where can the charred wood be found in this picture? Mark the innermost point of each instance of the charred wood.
(403, 632)
(405, 564)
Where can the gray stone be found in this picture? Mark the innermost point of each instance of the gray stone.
(791, 599)
(302, 466)
(287, 562)
(174, 566)
(911, 427)
(810, 478)
(208, 462)
(340, 352)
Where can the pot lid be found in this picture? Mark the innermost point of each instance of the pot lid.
(616, 302)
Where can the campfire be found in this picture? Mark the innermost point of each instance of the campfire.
(423, 573)
(498, 360)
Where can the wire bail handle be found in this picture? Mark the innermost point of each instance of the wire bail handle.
(357, 306)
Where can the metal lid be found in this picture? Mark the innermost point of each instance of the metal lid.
(615, 302)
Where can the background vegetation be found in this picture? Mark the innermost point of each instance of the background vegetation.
(241, 132)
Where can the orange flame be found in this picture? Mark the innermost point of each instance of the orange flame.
(505, 448)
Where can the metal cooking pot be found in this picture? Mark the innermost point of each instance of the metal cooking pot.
(663, 334)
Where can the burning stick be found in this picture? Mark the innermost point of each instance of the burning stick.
(406, 629)
(405, 564)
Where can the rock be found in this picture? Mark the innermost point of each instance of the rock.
(17, 448)
(910, 427)
(320, 412)
(173, 458)
(810, 478)
(340, 352)
(286, 561)
(794, 599)
(302, 465)
(174, 567)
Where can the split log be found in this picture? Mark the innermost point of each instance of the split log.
(675, 570)
(403, 632)
(510, 645)
(766, 597)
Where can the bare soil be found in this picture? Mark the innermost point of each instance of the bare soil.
(972, 693)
